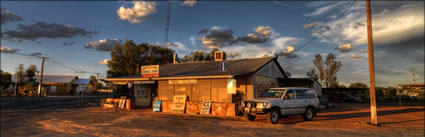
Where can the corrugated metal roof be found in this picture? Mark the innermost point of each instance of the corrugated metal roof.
(53, 78)
(81, 81)
(211, 68)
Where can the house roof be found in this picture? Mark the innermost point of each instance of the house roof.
(211, 68)
(82, 81)
(53, 78)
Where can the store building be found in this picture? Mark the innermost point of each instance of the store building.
(204, 81)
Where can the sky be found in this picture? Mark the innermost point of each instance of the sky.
(78, 36)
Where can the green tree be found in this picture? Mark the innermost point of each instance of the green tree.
(5, 79)
(31, 73)
(19, 77)
(327, 69)
(128, 59)
(358, 85)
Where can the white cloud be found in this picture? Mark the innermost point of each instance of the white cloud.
(345, 47)
(104, 44)
(138, 12)
(311, 25)
(5, 49)
(389, 26)
(264, 30)
(104, 62)
(179, 47)
(189, 3)
(257, 50)
(355, 56)
(325, 9)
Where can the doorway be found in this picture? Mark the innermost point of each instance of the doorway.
(143, 95)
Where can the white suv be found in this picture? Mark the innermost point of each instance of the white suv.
(277, 102)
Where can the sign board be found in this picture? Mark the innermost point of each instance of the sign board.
(183, 81)
(121, 104)
(120, 83)
(144, 82)
(223, 67)
(179, 103)
(231, 86)
(205, 108)
(157, 106)
(150, 71)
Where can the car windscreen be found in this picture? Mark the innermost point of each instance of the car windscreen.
(273, 93)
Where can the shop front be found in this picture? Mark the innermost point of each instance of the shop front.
(203, 83)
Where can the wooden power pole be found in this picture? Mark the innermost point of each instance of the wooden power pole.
(41, 77)
(373, 113)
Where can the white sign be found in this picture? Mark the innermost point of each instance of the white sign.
(179, 103)
(231, 86)
(150, 71)
(183, 81)
(205, 108)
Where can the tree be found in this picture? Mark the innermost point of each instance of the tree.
(327, 69)
(358, 85)
(128, 59)
(19, 76)
(31, 73)
(313, 75)
(5, 79)
(199, 55)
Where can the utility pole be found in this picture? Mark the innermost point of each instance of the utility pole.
(41, 76)
(373, 113)
(412, 70)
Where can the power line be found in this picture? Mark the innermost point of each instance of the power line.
(328, 26)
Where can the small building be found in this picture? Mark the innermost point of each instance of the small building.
(203, 81)
(57, 84)
(83, 85)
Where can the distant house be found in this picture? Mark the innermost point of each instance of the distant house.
(83, 85)
(412, 90)
(57, 84)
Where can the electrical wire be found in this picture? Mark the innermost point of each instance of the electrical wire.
(328, 26)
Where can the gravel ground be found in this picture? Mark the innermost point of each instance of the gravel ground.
(67, 116)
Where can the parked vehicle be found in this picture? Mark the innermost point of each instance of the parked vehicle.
(278, 102)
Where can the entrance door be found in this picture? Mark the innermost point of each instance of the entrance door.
(142, 94)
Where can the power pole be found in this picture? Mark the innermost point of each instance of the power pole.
(373, 113)
(412, 70)
(41, 76)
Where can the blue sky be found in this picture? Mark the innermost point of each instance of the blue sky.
(81, 31)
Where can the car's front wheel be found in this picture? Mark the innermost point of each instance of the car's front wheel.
(273, 116)
(308, 114)
(249, 117)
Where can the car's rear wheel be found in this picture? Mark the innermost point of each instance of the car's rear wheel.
(249, 117)
(308, 114)
(273, 116)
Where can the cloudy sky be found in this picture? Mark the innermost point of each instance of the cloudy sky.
(78, 35)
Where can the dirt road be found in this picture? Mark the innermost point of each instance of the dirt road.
(66, 116)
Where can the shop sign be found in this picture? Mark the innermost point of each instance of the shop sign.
(205, 108)
(183, 81)
(150, 71)
(157, 106)
(120, 83)
(231, 86)
(144, 82)
(179, 103)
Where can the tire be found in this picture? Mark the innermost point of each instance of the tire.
(249, 117)
(308, 114)
(273, 116)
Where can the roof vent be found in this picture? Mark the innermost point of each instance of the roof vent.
(218, 56)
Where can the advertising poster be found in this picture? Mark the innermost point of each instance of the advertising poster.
(205, 108)
(179, 103)
(157, 106)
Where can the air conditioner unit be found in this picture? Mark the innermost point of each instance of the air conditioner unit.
(218, 56)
